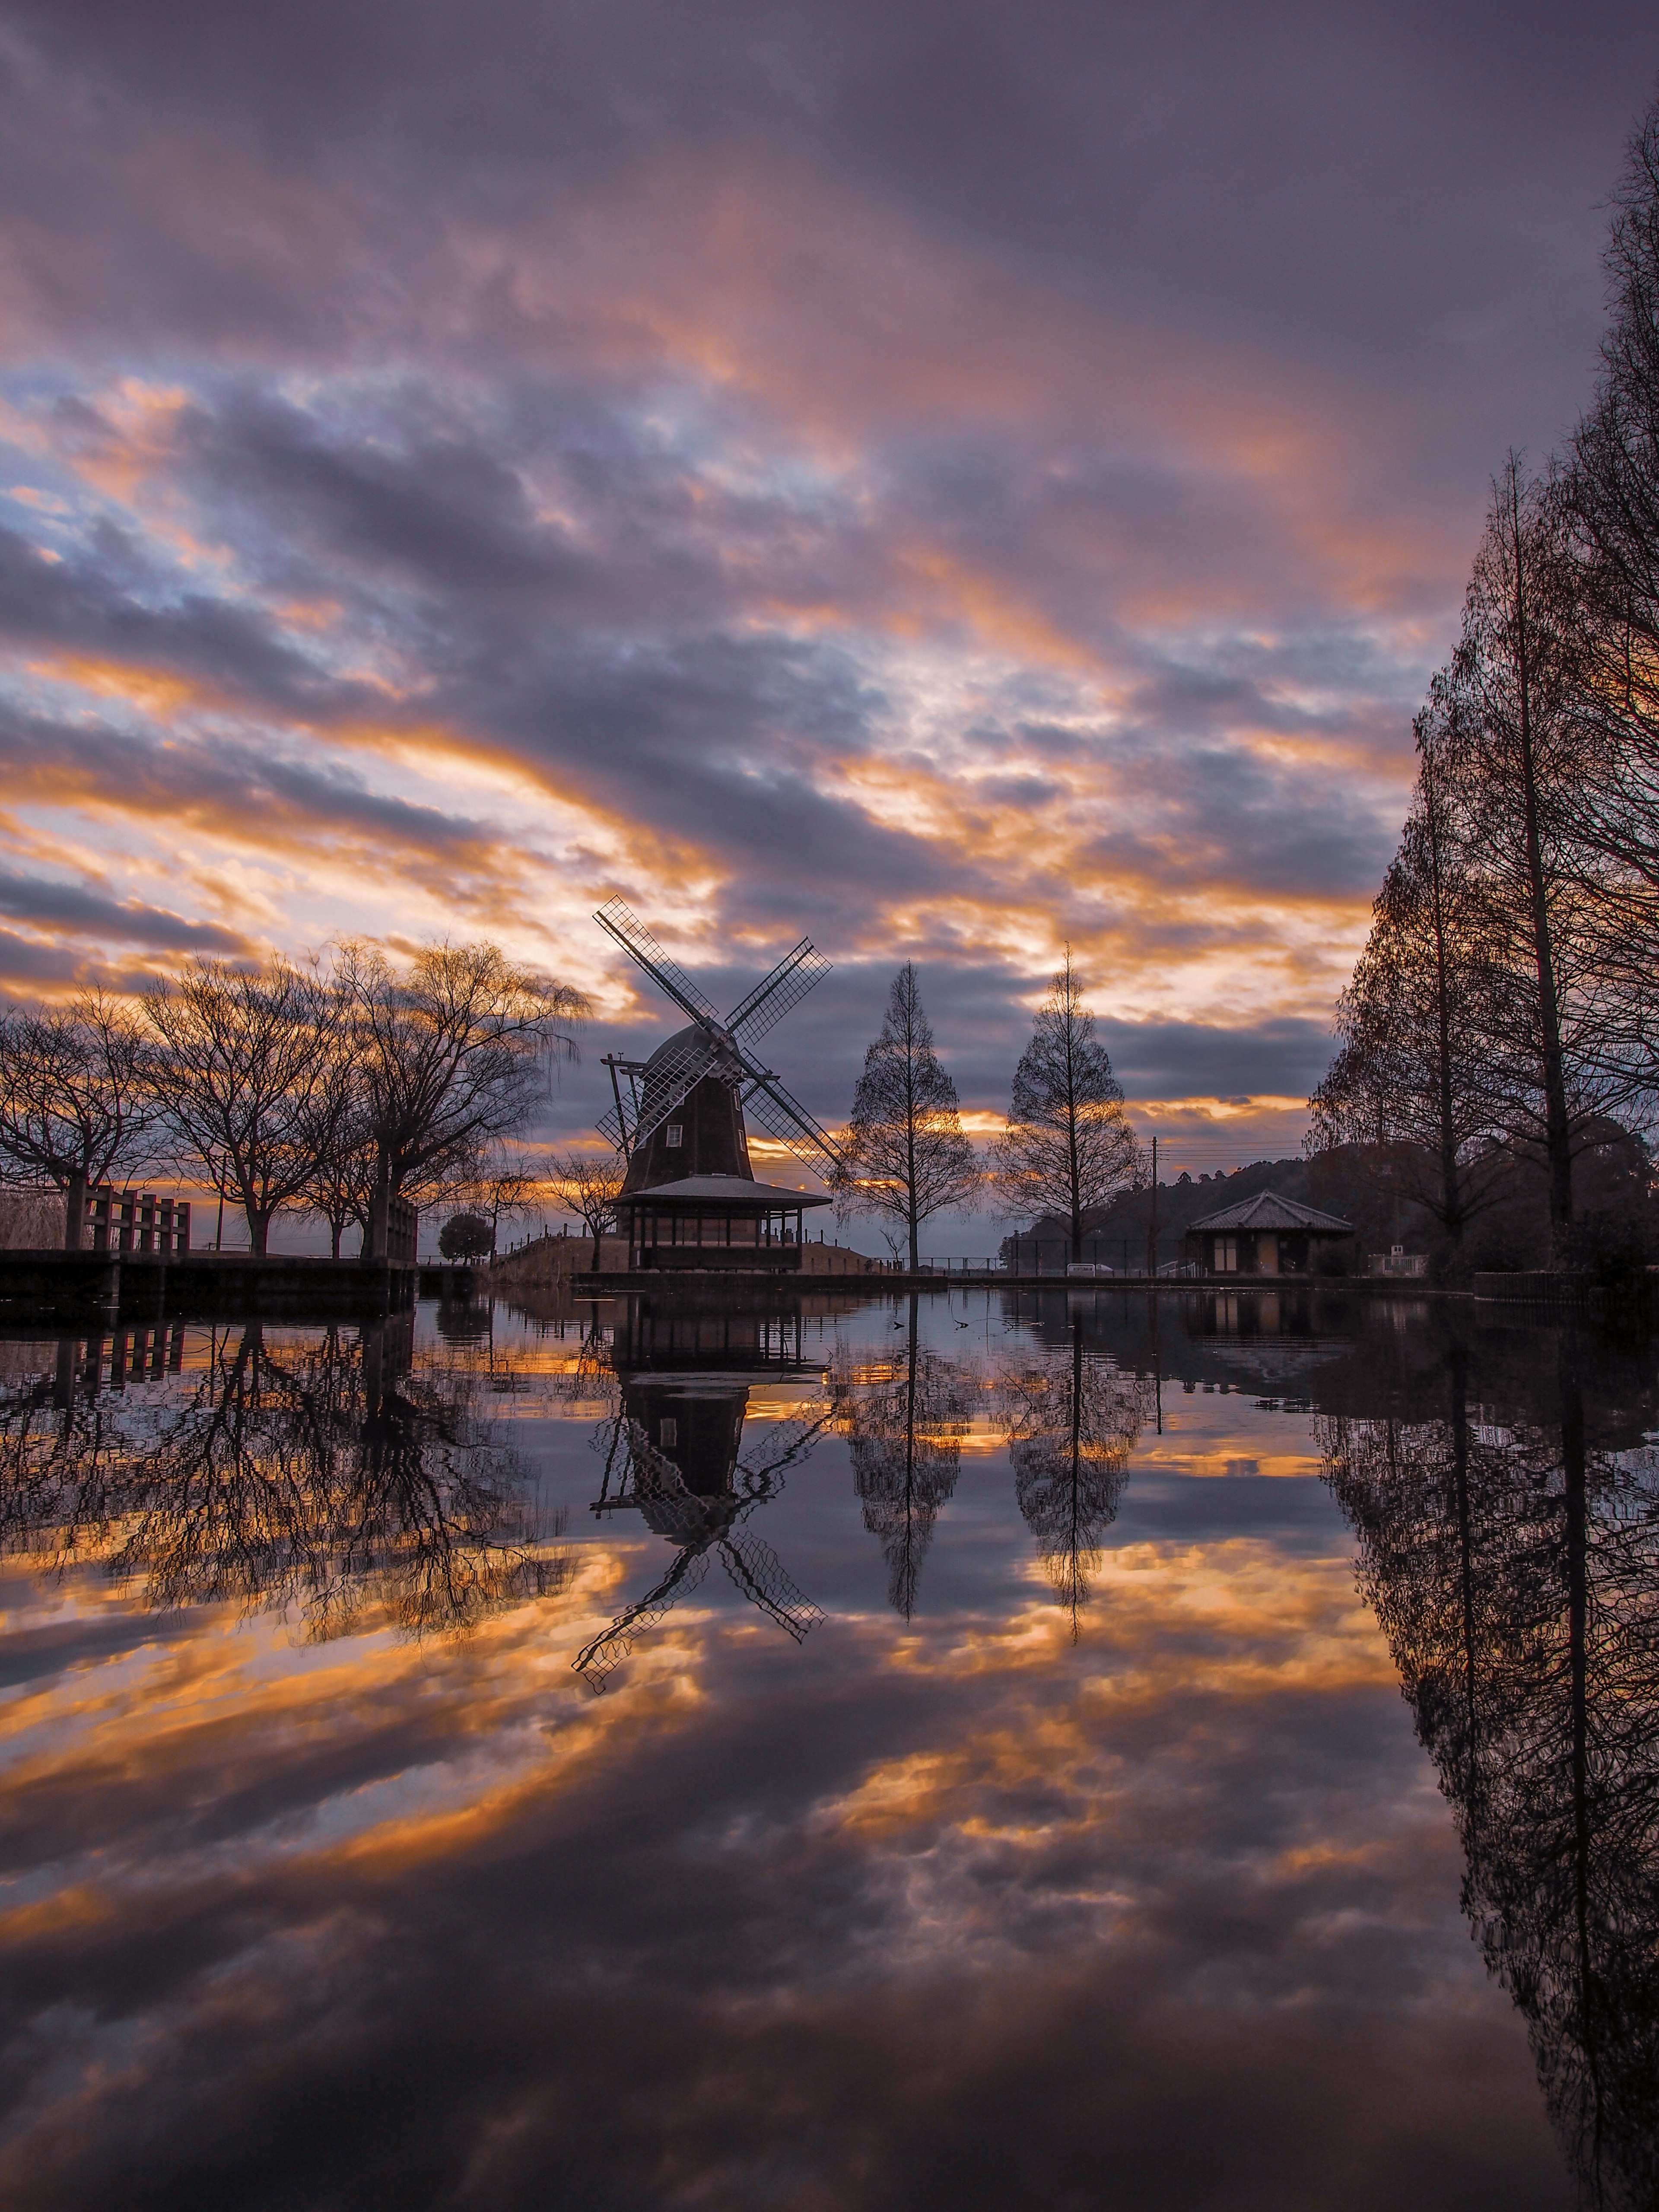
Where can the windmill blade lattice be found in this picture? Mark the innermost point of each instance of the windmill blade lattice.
(787, 1120)
(619, 920)
(783, 990)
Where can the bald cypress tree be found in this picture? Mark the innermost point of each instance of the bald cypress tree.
(1068, 1147)
(906, 1156)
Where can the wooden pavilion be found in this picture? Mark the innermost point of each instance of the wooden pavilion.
(1266, 1235)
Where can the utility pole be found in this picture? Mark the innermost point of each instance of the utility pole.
(1151, 1232)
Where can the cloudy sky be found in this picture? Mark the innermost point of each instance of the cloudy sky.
(948, 479)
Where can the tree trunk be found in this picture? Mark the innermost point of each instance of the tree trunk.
(915, 1261)
(1451, 1201)
(337, 1230)
(1556, 1134)
(259, 1230)
(375, 1242)
(74, 1211)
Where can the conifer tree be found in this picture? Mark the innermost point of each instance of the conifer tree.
(1068, 1148)
(906, 1155)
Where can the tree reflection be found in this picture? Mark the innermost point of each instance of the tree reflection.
(323, 1477)
(1515, 1571)
(905, 1417)
(1073, 1417)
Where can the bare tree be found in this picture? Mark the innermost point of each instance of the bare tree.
(1611, 494)
(1516, 756)
(1412, 1073)
(906, 1156)
(1068, 1147)
(340, 1187)
(590, 1183)
(450, 1053)
(507, 1180)
(240, 1068)
(76, 1106)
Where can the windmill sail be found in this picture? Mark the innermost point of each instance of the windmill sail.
(783, 989)
(619, 921)
(787, 1120)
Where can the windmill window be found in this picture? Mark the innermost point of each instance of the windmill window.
(674, 1136)
(668, 1433)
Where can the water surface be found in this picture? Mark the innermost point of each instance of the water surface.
(948, 1752)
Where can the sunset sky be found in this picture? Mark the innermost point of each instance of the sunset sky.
(949, 479)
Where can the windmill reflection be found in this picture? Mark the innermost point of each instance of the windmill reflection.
(314, 1473)
(905, 1417)
(1073, 1417)
(1515, 1570)
(673, 1453)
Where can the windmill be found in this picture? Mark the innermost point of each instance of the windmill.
(701, 1516)
(711, 1050)
(690, 1198)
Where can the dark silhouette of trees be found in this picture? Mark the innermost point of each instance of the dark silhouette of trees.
(449, 1052)
(466, 1237)
(905, 1421)
(1514, 1567)
(1412, 1076)
(1068, 1147)
(1611, 489)
(242, 1072)
(906, 1156)
(1073, 1417)
(1515, 758)
(1544, 742)
(325, 1478)
(76, 1104)
(589, 1183)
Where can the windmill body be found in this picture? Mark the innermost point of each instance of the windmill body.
(700, 1135)
(689, 1197)
(674, 1454)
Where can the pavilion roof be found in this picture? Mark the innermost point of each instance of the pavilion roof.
(726, 1194)
(1270, 1209)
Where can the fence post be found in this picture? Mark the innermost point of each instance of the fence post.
(128, 1211)
(181, 1216)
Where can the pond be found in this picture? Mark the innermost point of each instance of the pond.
(981, 1749)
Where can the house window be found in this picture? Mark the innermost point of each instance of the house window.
(1226, 1256)
(668, 1433)
(674, 1136)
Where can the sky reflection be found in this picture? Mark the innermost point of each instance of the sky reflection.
(1124, 1883)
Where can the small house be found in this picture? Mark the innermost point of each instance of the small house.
(1266, 1235)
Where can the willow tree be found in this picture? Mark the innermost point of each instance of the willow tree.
(905, 1155)
(1068, 1148)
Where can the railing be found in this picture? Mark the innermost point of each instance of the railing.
(130, 1221)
